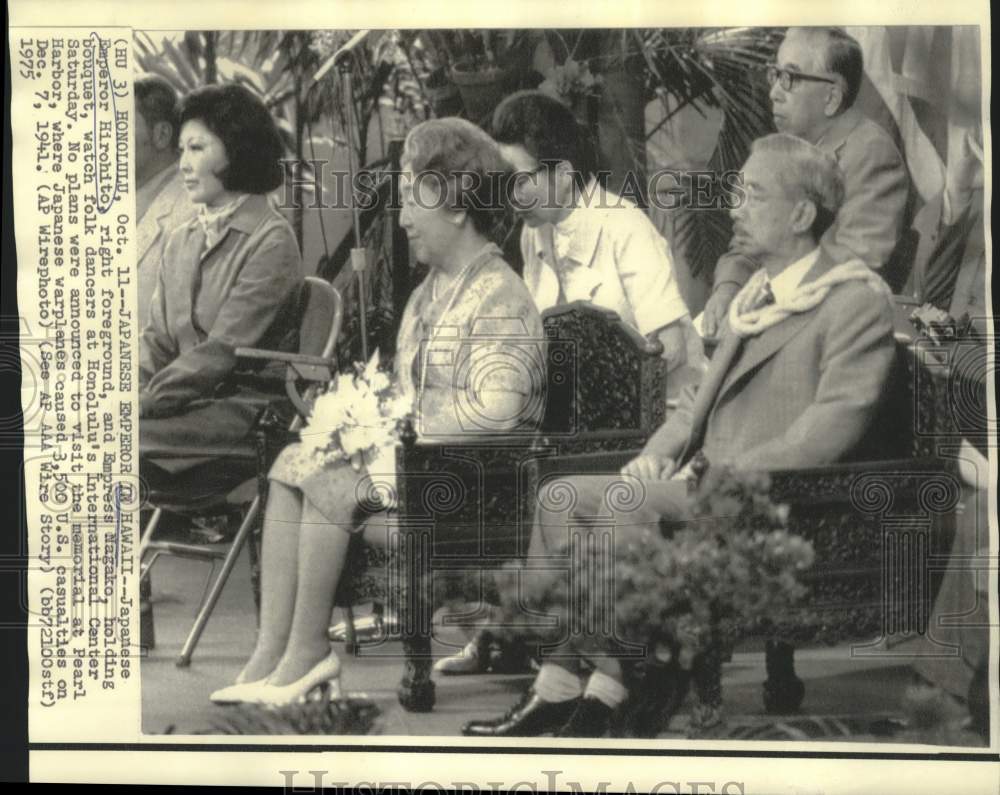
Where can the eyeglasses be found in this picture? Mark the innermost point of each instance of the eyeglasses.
(787, 78)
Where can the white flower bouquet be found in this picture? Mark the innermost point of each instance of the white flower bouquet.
(358, 415)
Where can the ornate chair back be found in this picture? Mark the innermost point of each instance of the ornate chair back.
(603, 378)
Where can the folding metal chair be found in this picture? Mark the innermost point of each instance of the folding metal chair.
(212, 486)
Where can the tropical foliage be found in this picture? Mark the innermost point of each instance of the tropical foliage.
(731, 571)
(354, 715)
(701, 69)
(400, 77)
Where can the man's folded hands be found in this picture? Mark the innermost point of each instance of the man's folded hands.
(650, 467)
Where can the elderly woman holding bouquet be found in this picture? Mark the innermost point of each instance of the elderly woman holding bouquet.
(455, 328)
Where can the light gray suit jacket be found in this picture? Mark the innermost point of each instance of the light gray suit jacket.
(876, 198)
(802, 393)
(170, 210)
(210, 301)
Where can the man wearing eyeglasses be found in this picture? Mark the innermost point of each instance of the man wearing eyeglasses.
(796, 382)
(814, 83)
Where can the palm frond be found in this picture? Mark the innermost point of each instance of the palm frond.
(185, 64)
(720, 68)
(702, 236)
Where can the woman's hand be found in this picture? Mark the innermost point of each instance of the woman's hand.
(357, 461)
(650, 467)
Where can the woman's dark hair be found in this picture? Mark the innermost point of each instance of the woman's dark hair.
(547, 129)
(241, 121)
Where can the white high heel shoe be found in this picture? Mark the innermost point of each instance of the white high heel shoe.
(325, 672)
(238, 693)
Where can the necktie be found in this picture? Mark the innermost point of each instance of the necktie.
(765, 297)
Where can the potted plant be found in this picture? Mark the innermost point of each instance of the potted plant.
(572, 83)
(479, 63)
(688, 596)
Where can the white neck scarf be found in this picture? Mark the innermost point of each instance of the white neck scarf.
(746, 320)
(215, 220)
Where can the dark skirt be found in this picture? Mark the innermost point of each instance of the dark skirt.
(215, 429)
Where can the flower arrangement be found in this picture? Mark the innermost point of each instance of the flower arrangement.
(571, 82)
(939, 327)
(357, 415)
(732, 569)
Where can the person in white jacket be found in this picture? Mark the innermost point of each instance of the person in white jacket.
(581, 242)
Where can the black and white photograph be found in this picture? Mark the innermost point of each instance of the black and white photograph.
(564, 383)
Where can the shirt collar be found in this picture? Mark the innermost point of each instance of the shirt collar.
(576, 236)
(251, 207)
(784, 285)
(842, 126)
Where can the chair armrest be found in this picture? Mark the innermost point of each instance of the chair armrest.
(833, 482)
(848, 481)
(629, 441)
(300, 365)
(617, 439)
(229, 451)
(606, 462)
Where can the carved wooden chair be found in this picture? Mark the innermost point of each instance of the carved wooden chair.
(465, 508)
(881, 527)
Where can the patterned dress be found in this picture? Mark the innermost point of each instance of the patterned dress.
(472, 357)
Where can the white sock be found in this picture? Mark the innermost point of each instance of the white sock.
(608, 691)
(554, 683)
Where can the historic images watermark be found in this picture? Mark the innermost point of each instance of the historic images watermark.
(664, 189)
(297, 781)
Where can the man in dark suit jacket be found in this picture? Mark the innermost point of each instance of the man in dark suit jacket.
(803, 363)
(814, 83)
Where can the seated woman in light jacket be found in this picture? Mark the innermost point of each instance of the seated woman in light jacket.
(464, 332)
(229, 278)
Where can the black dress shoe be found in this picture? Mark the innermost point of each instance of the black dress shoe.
(591, 718)
(530, 717)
